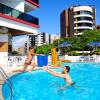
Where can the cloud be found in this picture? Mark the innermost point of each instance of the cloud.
(19, 41)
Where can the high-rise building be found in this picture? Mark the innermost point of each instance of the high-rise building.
(32, 40)
(39, 39)
(46, 38)
(76, 19)
(15, 21)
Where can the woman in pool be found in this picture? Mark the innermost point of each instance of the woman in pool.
(64, 75)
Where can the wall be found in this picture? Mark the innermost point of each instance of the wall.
(3, 59)
(64, 23)
(3, 42)
(71, 23)
(19, 5)
(3, 37)
(93, 58)
(3, 47)
(17, 25)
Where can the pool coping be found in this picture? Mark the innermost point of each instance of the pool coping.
(11, 73)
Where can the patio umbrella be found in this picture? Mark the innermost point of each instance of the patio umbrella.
(64, 44)
(94, 44)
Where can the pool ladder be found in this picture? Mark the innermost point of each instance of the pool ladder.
(7, 80)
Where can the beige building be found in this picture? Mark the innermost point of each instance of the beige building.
(76, 19)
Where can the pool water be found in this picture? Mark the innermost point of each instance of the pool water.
(40, 85)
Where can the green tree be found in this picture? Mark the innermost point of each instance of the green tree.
(14, 53)
(89, 36)
(78, 42)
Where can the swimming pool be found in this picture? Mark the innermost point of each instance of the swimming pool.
(42, 86)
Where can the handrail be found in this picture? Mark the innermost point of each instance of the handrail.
(7, 81)
(4, 9)
(36, 1)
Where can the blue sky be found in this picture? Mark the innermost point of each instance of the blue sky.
(49, 13)
(19, 41)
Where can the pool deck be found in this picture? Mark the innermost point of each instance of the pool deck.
(9, 72)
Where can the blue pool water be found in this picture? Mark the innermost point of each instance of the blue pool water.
(42, 86)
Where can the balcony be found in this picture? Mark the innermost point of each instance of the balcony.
(83, 15)
(13, 14)
(34, 2)
(83, 21)
(83, 27)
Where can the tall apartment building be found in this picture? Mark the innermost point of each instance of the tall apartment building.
(39, 39)
(76, 19)
(14, 21)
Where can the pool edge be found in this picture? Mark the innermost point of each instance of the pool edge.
(11, 73)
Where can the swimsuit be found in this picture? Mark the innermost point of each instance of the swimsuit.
(73, 84)
(27, 62)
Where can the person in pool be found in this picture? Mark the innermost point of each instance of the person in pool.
(64, 74)
(29, 60)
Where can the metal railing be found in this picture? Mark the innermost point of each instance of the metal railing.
(36, 1)
(7, 81)
(18, 14)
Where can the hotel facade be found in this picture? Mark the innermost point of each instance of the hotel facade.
(76, 19)
(39, 39)
(15, 21)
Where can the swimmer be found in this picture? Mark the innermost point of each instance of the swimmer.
(29, 60)
(64, 74)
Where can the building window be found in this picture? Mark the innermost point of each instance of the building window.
(84, 24)
(84, 18)
(83, 12)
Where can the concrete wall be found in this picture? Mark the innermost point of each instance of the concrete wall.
(3, 37)
(15, 61)
(3, 59)
(3, 49)
(4, 43)
(93, 58)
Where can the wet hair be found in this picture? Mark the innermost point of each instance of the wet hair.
(31, 48)
(67, 68)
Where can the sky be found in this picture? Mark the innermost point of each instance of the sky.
(49, 15)
(19, 41)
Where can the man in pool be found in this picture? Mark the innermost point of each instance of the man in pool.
(29, 60)
(64, 75)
